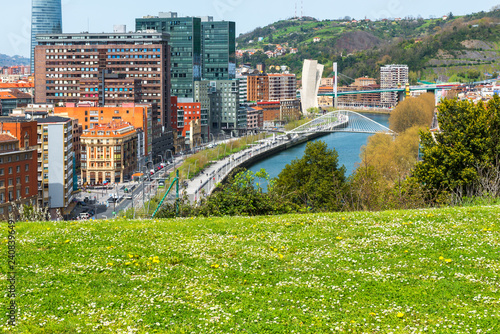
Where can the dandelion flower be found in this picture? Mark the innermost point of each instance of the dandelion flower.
(400, 315)
(406, 251)
(66, 241)
(130, 256)
(128, 263)
(448, 260)
(372, 313)
(338, 238)
(110, 264)
(441, 258)
(281, 256)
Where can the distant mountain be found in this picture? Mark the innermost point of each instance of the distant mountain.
(445, 49)
(13, 61)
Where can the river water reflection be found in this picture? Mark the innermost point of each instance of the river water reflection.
(348, 146)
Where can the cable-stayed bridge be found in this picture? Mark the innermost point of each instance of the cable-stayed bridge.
(342, 121)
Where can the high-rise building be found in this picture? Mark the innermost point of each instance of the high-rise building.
(202, 49)
(311, 80)
(46, 18)
(392, 76)
(185, 43)
(222, 100)
(218, 45)
(55, 162)
(271, 87)
(108, 69)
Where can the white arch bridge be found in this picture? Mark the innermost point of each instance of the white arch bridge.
(342, 121)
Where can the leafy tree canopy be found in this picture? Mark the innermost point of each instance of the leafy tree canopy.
(315, 180)
(469, 139)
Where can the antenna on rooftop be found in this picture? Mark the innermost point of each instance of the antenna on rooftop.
(295, 16)
(302, 9)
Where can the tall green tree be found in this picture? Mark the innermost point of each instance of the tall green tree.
(469, 139)
(314, 181)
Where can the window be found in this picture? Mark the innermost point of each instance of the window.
(27, 190)
(11, 196)
(18, 181)
(18, 193)
(2, 184)
(11, 182)
(26, 167)
(1, 171)
(18, 169)
(10, 170)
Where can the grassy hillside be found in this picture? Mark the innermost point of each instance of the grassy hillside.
(400, 272)
(434, 49)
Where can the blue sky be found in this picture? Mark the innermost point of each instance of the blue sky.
(248, 14)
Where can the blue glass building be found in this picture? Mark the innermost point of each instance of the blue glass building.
(46, 18)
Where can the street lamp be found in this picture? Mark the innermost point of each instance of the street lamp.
(171, 156)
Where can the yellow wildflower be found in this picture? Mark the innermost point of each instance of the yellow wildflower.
(448, 260)
(66, 241)
(441, 258)
(110, 264)
(338, 238)
(130, 256)
(281, 256)
(128, 263)
(400, 315)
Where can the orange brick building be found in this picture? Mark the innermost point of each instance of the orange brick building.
(257, 88)
(270, 110)
(186, 112)
(140, 116)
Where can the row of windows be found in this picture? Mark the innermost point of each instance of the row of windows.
(11, 181)
(11, 196)
(18, 158)
(11, 169)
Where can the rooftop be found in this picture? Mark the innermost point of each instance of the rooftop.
(84, 37)
(5, 137)
(53, 119)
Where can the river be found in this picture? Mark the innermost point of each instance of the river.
(347, 145)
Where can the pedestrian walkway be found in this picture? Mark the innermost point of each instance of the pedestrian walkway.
(206, 182)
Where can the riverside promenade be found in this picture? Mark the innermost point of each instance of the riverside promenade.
(206, 182)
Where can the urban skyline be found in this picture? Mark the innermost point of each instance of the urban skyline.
(16, 28)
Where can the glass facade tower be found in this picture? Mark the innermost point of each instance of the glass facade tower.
(218, 46)
(46, 18)
(185, 48)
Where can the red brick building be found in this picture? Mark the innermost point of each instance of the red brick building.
(18, 173)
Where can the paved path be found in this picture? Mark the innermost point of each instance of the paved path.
(206, 181)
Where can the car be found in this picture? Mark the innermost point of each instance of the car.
(112, 199)
(84, 215)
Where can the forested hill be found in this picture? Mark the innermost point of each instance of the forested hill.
(456, 48)
(12, 61)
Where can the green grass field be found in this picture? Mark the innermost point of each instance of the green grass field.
(429, 271)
